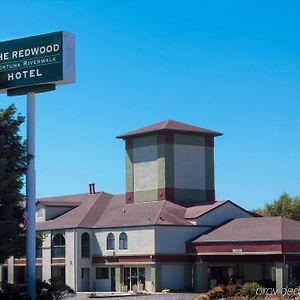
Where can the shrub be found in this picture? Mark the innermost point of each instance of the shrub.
(217, 292)
(11, 291)
(249, 289)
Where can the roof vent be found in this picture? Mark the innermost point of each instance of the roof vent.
(92, 188)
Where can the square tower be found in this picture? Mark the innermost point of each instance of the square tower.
(170, 161)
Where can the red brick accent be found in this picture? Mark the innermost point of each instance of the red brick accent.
(165, 138)
(239, 258)
(128, 144)
(291, 246)
(210, 196)
(142, 259)
(129, 197)
(60, 261)
(165, 194)
(228, 247)
(209, 141)
(22, 261)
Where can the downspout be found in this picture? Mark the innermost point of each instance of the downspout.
(75, 259)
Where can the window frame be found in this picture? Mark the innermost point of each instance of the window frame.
(110, 242)
(85, 248)
(123, 241)
(58, 250)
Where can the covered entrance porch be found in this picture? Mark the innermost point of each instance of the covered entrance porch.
(273, 271)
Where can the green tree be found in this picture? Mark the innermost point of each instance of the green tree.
(13, 164)
(285, 206)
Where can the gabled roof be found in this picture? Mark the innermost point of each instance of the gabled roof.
(194, 212)
(90, 207)
(67, 200)
(253, 229)
(171, 126)
(105, 210)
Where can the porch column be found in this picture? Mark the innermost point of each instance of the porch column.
(155, 278)
(200, 277)
(118, 278)
(46, 255)
(10, 269)
(73, 261)
(281, 275)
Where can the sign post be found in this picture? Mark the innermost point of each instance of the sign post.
(31, 199)
(28, 66)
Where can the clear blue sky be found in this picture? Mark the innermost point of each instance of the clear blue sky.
(230, 66)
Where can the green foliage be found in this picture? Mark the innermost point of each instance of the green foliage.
(285, 206)
(13, 164)
(249, 289)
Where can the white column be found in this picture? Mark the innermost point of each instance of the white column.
(46, 267)
(10, 269)
(70, 258)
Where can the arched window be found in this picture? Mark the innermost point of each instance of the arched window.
(123, 244)
(110, 242)
(58, 245)
(85, 245)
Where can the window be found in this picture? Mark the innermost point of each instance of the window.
(123, 245)
(58, 245)
(85, 245)
(39, 252)
(102, 273)
(110, 242)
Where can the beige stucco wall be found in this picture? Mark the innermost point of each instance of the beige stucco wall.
(172, 239)
(40, 214)
(221, 214)
(48, 213)
(189, 167)
(172, 276)
(140, 241)
(85, 262)
(145, 168)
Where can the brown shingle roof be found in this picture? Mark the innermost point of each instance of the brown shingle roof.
(105, 210)
(169, 125)
(76, 217)
(199, 210)
(253, 229)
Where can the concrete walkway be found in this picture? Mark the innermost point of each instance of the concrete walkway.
(157, 296)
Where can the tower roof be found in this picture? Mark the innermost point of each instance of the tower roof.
(169, 126)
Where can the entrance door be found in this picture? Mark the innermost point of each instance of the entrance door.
(134, 276)
(85, 279)
(222, 274)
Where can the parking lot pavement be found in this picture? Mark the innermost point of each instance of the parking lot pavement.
(170, 296)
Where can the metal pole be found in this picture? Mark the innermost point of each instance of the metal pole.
(30, 200)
